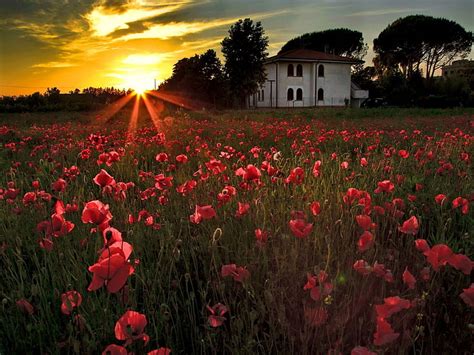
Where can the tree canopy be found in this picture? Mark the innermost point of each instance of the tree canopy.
(200, 76)
(411, 41)
(245, 51)
(339, 41)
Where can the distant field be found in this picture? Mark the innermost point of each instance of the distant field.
(375, 114)
(237, 232)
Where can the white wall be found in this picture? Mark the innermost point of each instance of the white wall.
(304, 82)
(336, 84)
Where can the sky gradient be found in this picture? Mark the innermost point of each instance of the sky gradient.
(124, 43)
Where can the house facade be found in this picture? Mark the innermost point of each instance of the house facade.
(307, 78)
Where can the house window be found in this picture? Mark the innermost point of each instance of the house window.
(299, 95)
(320, 95)
(291, 70)
(263, 95)
(289, 95)
(321, 71)
(299, 70)
(258, 94)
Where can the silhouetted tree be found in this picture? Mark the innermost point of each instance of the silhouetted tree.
(200, 76)
(339, 41)
(414, 40)
(245, 51)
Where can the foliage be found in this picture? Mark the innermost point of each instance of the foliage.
(52, 100)
(339, 41)
(283, 233)
(414, 40)
(245, 50)
(200, 77)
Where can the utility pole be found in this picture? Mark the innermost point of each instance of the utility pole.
(155, 84)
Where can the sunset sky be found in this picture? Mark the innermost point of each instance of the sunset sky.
(75, 44)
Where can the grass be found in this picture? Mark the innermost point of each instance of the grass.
(178, 263)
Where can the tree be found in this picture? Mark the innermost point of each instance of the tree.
(200, 76)
(339, 41)
(411, 41)
(245, 51)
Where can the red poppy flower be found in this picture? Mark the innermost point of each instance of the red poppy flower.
(422, 245)
(202, 212)
(215, 166)
(409, 279)
(160, 351)
(112, 268)
(59, 185)
(362, 267)
(461, 202)
(29, 198)
(111, 236)
(69, 301)
(403, 154)
(59, 225)
(461, 262)
(261, 237)
(366, 241)
(364, 162)
(46, 243)
(217, 315)
(440, 199)
(410, 226)
(360, 350)
(181, 158)
(242, 209)
(250, 173)
(468, 295)
(25, 306)
(391, 306)
(296, 176)
(238, 273)
(113, 349)
(384, 186)
(300, 228)
(163, 182)
(318, 286)
(103, 179)
(438, 255)
(364, 222)
(97, 213)
(315, 208)
(226, 194)
(317, 168)
(130, 327)
(187, 187)
(161, 157)
(384, 333)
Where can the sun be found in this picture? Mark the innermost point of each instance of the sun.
(139, 87)
(139, 83)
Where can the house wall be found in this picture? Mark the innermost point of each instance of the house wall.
(305, 82)
(336, 85)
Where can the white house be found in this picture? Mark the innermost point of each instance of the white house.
(307, 78)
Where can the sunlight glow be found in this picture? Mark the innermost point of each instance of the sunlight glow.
(103, 21)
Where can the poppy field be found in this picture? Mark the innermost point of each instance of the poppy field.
(265, 235)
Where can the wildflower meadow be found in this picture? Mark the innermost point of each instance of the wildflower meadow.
(273, 234)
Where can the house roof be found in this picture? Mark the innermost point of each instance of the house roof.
(308, 55)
